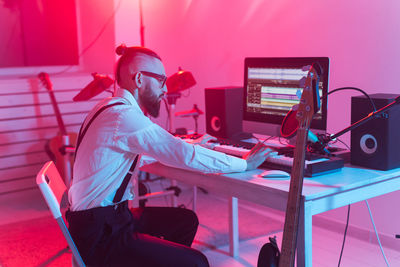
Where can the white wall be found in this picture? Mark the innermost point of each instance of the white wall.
(211, 39)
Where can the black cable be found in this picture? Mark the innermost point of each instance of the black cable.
(343, 143)
(95, 39)
(324, 98)
(345, 233)
(351, 88)
(320, 70)
(285, 139)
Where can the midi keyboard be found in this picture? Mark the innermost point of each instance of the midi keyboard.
(315, 164)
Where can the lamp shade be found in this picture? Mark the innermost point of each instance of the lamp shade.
(180, 81)
(99, 84)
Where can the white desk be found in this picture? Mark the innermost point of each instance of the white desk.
(320, 194)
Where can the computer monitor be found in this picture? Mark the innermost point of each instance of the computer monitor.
(271, 88)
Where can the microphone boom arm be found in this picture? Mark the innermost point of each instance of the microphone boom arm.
(369, 117)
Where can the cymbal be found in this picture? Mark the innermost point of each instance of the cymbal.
(99, 84)
(193, 112)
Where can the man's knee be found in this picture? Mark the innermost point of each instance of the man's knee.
(199, 259)
(192, 217)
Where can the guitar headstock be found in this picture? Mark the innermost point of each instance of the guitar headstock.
(45, 80)
(310, 101)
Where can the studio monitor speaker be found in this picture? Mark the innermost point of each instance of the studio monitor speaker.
(376, 144)
(224, 111)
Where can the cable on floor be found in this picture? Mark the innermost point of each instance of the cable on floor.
(376, 233)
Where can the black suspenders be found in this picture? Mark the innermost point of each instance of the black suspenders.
(121, 190)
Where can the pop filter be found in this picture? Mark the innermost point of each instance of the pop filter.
(290, 125)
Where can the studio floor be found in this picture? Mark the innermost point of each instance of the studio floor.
(21, 208)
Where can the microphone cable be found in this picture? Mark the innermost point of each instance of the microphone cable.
(376, 233)
(345, 234)
(325, 98)
(350, 88)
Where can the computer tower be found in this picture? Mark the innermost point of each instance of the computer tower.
(376, 143)
(224, 111)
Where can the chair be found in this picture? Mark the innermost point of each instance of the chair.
(53, 188)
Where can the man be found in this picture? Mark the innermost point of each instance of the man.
(105, 231)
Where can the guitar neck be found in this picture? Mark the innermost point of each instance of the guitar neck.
(57, 112)
(293, 205)
(45, 79)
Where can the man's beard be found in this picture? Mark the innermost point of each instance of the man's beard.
(150, 101)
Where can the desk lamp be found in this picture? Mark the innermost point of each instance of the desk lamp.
(176, 83)
(99, 84)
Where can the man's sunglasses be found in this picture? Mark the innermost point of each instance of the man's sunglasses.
(161, 78)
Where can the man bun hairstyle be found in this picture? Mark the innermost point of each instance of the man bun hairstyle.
(128, 53)
(120, 50)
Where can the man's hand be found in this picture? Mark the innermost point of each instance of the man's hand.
(257, 155)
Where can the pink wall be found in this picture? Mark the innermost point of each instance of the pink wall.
(93, 17)
(51, 42)
(211, 39)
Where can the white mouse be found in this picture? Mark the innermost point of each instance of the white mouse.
(275, 174)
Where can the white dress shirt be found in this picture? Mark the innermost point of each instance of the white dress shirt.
(114, 139)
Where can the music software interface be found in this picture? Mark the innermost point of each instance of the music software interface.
(274, 91)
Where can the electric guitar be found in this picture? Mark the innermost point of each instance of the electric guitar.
(308, 106)
(57, 146)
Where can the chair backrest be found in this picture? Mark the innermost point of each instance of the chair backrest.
(53, 189)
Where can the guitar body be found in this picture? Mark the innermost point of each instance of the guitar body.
(308, 106)
(53, 147)
(269, 254)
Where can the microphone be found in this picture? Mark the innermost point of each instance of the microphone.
(289, 128)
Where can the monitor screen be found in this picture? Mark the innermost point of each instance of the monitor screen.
(271, 88)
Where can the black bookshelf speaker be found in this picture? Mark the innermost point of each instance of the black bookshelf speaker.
(224, 111)
(376, 143)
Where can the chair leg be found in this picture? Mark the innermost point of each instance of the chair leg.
(74, 262)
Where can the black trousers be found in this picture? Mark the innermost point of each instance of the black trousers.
(150, 236)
